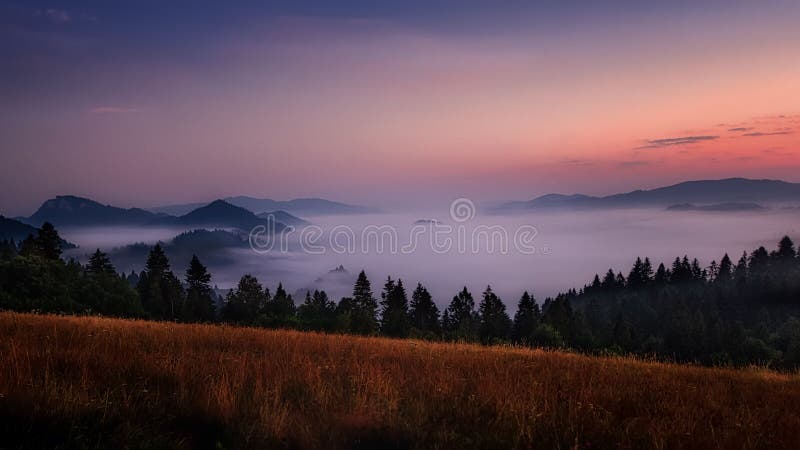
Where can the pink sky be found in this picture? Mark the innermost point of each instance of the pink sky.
(379, 112)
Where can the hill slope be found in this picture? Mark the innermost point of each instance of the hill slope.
(69, 210)
(16, 231)
(729, 190)
(301, 206)
(92, 382)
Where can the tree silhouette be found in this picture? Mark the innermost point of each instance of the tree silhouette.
(243, 303)
(200, 305)
(528, 317)
(364, 307)
(423, 311)
(317, 312)
(462, 319)
(49, 242)
(159, 289)
(100, 264)
(395, 320)
(495, 324)
(280, 309)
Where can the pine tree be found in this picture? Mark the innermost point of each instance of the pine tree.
(317, 312)
(495, 325)
(49, 242)
(200, 305)
(609, 281)
(740, 271)
(461, 318)
(725, 268)
(527, 318)
(280, 309)
(662, 276)
(647, 272)
(243, 303)
(395, 319)
(423, 311)
(100, 264)
(786, 249)
(159, 289)
(362, 317)
(636, 276)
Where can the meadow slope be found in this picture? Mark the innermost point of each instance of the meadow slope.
(80, 382)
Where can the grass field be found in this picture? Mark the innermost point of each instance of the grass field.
(101, 383)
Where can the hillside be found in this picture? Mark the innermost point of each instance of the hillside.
(701, 192)
(14, 230)
(69, 210)
(300, 206)
(102, 383)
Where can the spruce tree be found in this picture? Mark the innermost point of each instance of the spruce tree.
(159, 289)
(49, 242)
(495, 325)
(362, 317)
(100, 264)
(527, 318)
(725, 268)
(243, 303)
(461, 318)
(317, 312)
(423, 311)
(395, 320)
(280, 309)
(200, 305)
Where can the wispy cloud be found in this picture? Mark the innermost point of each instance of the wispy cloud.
(112, 110)
(58, 16)
(635, 163)
(772, 133)
(683, 140)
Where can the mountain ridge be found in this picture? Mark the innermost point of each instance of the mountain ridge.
(309, 205)
(697, 192)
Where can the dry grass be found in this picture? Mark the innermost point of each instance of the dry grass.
(100, 383)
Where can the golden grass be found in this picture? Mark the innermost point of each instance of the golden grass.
(99, 383)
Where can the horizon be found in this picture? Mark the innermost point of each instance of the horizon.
(404, 105)
(380, 210)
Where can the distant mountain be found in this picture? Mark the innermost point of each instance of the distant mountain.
(221, 214)
(717, 207)
(301, 206)
(726, 191)
(284, 218)
(69, 210)
(16, 231)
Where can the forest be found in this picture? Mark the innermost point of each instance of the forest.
(725, 314)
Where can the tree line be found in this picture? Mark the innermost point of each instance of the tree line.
(727, 313)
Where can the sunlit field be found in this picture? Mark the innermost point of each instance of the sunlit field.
(80, 382)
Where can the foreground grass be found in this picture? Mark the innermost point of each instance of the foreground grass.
(99, 383)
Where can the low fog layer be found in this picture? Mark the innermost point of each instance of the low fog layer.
(568, 249)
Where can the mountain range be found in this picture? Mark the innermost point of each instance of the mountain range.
(71, 211)
(699, 193)
(302, 206)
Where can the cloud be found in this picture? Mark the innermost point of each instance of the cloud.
(683, 140)
(58, 16)
(740, 129)
(773, 133)
(635, 163)
(112, 110)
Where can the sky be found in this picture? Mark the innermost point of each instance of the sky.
(157, 102)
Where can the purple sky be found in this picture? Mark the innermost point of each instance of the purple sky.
(163, 102)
